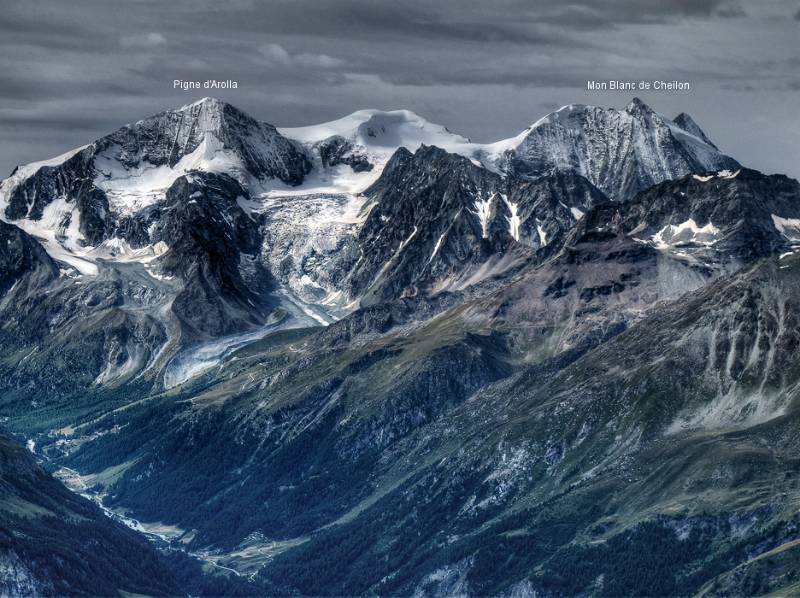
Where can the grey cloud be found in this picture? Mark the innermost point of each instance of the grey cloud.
(733, 11)
(144, 40)
(599, 15)
(278, 54)
(70, 72)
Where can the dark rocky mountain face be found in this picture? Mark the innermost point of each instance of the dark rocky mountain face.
(527, 386)
(433, 211)
(23, 258)
(740, 215)
(213, 247)
(68, 179)
(549, 205)
(441, 223)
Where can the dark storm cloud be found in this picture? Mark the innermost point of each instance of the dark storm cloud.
(500, 21)
(72, 71)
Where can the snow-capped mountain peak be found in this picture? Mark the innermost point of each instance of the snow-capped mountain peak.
(349, 153)
(381, 129)
(374, 135)
(102, 193)
(622, 152)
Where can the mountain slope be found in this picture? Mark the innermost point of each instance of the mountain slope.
(23, 258)
(53, 542)
(586, 478)
(324, 425)
(212, 244)
(458, 370)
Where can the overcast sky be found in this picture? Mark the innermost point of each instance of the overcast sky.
(73, 71)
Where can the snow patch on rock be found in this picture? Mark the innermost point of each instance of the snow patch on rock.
(788, 227)
(686, 232)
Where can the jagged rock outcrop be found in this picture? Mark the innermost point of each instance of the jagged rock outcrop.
(337, 150)
(213, 246)
(22, 256)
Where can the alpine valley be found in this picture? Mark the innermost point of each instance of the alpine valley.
(373, 357)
